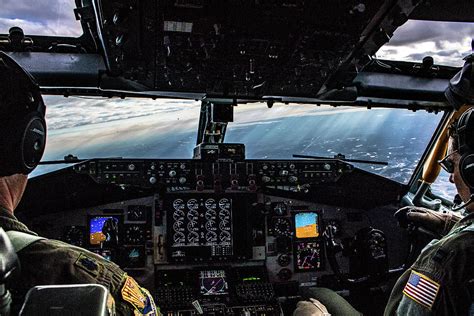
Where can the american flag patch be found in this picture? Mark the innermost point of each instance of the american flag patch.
(421, 289)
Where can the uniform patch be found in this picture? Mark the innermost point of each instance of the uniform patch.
(421, 289)
(140, 298)
(87, 263)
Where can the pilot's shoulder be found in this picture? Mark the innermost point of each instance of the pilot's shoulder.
(63, 263)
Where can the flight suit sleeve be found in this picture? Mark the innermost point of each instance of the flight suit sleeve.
(49, 262)
(437, 283)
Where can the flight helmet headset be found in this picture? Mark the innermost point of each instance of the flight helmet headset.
(465, 137)
(22, 123)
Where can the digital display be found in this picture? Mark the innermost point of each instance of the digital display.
(135, 257)
(201, 222)
(104, 229)
(306, 225)
(213, 282)
(307, 256)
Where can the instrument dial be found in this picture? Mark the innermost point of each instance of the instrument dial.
(224, 204)
(134, 234)
(193, 238)
(136, 213)
(75, 235)
(210, 204)
(211, 237)
(178, 215)
(178, 204)
(179, 238)
(280, 209)
(224, 236)
(193, 204)
(282, 227)
(210, 215)
(193, 215)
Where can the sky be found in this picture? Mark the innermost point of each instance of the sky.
(447, 42)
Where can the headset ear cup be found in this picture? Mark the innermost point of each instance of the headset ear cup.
(23, 143)
(466, 169)
(32, 141)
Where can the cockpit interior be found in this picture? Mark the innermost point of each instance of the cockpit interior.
(227, 228)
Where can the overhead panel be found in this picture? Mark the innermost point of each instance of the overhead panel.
(236, 49)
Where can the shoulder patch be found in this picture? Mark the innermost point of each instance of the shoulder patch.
(87, 263)
(421, 289)
(140, 298)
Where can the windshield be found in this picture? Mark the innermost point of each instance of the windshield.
(143, 128)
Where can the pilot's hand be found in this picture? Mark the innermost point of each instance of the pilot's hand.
(312, 307)
(438, 222)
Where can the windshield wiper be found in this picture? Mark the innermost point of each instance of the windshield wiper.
(343, 158)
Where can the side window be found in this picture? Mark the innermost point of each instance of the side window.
(443, 188)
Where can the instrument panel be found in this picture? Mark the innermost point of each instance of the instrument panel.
(222, 238)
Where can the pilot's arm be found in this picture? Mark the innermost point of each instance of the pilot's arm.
(441, 281)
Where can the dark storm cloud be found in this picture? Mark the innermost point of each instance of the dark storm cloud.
(416, 31)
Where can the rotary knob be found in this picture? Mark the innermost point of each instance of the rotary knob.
(152, 180)
(172, 173)
(327, 166)
(283, 260)
(131, 167)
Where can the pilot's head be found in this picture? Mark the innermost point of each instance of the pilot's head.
(459, 161)
(22, 124)
(22, 129)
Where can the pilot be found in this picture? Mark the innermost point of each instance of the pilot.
(44, 261)
(441, 281)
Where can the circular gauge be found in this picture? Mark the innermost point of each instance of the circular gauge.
(192, 226)
(193, 204)
(177, 226)
(136, 213)
(284, 260)
(178, 238)
(211, 236)
(282, 227)
(307, 256)
(134, 234)
(193, 238)
(224, 204)
(224, 225)
(74, 235)
(213, 283)
(178, 215)
(224, 214)
(193, 215)
(210, 204)
(210, 225)
(284, 274)
(210, 215)
(178, 204)
(280, 209)
(224, 236)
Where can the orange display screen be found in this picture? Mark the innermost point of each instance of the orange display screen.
(306, 225)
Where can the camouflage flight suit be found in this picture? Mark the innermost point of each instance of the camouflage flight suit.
(441, 281)
(47, 262)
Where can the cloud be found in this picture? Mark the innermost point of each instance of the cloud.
(63, 113)
(446, 42)
(37, 18)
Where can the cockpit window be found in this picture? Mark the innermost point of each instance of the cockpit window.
(50, 18)
(446, 42)
(143, 128)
